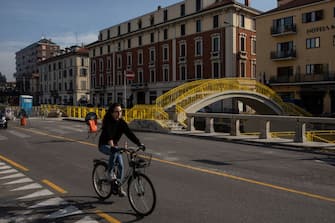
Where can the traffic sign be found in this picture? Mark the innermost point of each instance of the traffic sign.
(130, 75)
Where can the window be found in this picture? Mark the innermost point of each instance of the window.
(129, 43)
(152, 55)
(283, 25)
(140, 76)
(165, 52)
(242, 21)
(182, 52)
(242, 43)
(182, 10)
(316, 68)
(101, 51)
(312, 16)
(139, 23)
(140, 57)
(152, 37)
(129, 59)
(198, 47)
(253, 68)
(129, 27)
(166, 34)
(216, 69)
(242, 69)
(119, 30)
(198, 5)
(165, 15)
(183, 73)
(152, 76)
(152, 20)
(284, 74)
(140, 40)
(313, 43)
(334, 40)
(198, 71)
(119, 61)
(166, 73)
(253, 45)
(198, 26)
(182, 29)
(215, 21)
(216, 43)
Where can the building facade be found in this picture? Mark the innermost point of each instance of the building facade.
(64, 78)
(297, 46)
(190, 40)
(26, 65)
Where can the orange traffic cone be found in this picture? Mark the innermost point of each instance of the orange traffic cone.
(23, 121)
(93, 126)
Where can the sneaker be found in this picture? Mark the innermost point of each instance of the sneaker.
(122, 193)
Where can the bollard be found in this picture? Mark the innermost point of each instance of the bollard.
(23, 121)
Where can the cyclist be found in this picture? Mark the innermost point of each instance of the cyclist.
(113, 127)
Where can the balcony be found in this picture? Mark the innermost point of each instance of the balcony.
(139, 86)
(242, 55)
(304, 78)
(284, 30)
(283, 55)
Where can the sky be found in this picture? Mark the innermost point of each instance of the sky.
(70, 22)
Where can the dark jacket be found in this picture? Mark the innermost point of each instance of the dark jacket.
(113, 129)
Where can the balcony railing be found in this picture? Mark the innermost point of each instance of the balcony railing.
(283, 55)
(283, 30)
(299, 78)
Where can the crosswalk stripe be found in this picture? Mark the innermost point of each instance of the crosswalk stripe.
(2, 163)
(70, 210)
(18, 134)
(40, 193)
(23, 180)
(59, 131)
(3, 137)
(28, 187)
(12, 176)
(5, 167)
(8, 171)
(56, 201)
(86, 219)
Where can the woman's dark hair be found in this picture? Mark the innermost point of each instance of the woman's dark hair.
(107, 118)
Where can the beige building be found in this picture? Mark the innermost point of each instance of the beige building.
(64, 79)
(296, 45)
(190, 40)
(26, 65)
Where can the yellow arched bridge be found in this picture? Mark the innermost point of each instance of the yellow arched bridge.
(192, 96)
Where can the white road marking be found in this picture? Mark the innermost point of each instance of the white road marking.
(70, 210)
(2, 163)
(28, 187)
(8, 171)
(59, 131)
(74, 128)
(18, 134)
(13, 176)
(3, 137)
(23, 180)
(86, 219)
(56, 201)
(4, 167)
(40, 193)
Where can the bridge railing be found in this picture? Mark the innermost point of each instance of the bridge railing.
(299, 129)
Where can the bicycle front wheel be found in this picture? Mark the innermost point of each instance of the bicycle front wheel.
(101, 185)
(141, 194)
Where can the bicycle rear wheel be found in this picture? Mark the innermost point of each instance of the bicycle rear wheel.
(101, 184)
(141, 194)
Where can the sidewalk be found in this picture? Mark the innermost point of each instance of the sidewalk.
(254, 140)
(248, 139)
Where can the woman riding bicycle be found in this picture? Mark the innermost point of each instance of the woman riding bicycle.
(113, 127)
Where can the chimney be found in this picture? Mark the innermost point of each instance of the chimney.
(247, 2)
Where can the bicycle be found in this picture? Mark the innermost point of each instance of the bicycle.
(140, 191)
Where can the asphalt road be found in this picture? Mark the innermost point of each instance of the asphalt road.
(196, 180)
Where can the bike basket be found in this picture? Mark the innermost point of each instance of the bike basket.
(141, 160)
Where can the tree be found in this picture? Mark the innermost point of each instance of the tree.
(3, 78)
